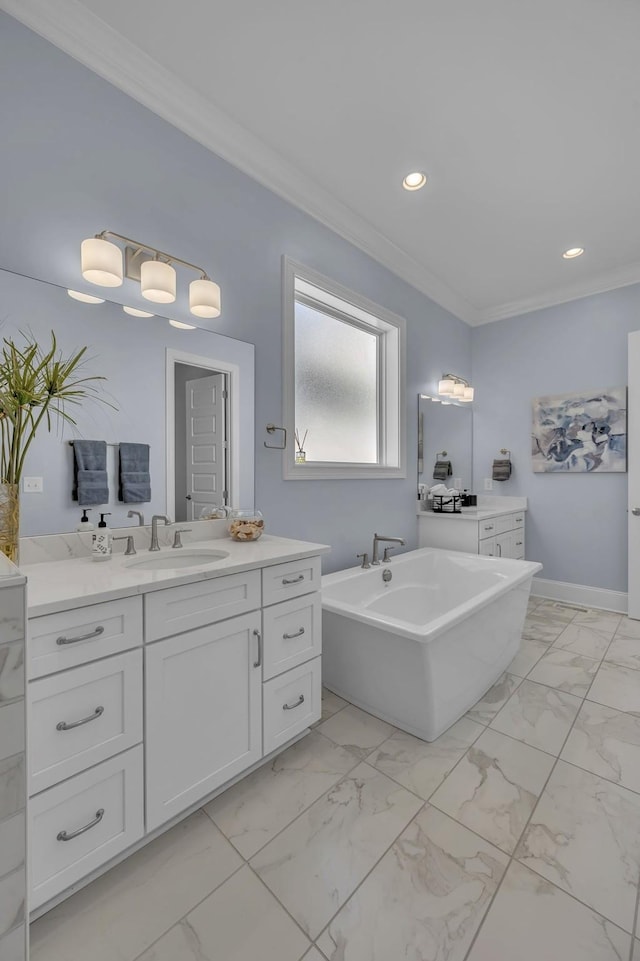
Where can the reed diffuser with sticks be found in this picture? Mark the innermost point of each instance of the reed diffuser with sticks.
(301, 456)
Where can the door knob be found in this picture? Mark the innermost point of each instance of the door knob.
(635, 511)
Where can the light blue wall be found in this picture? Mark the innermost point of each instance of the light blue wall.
(79, 156)
(577, 523)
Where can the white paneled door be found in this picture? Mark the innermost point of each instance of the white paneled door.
(633, 447)
(206, 443)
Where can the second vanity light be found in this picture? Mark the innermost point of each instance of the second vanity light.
(105, 263)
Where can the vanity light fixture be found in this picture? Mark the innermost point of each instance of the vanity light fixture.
(181, 326)
(573, 252)
(415, 180)
(136, 312)
(456, 388)
(103, 263)
(85, 298)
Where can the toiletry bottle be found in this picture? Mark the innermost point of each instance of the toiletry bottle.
(101, 550)
(85, 524)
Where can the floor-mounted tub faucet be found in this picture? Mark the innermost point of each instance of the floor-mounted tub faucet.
(381, 537)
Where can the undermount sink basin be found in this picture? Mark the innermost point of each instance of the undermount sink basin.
(173, 560)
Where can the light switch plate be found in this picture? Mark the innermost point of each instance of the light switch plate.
(32, 485)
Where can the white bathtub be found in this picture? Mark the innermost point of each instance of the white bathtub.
(421, 649)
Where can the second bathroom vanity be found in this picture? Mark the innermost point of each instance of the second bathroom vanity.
(495, 529)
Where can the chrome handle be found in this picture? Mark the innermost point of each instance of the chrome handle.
(499, 546)
(64, 836)
(67, 726)
(290, 707)
(635, 511)
(83, 637)
(289, 637)
(489, 527)
(293, 580)
(518, 520)
(130, 549)
(258, 663)
(518, 543)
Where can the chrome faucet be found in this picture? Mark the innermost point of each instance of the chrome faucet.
(137, 514)
(381, 537)
(154, 530)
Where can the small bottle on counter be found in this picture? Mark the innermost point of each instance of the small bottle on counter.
(85, 524)
(102, 546)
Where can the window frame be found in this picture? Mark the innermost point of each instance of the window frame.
(392, 439)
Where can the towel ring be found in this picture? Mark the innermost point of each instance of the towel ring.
(504, 451)
(270, 428)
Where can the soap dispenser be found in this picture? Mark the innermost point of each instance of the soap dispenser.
(85, 524)
(102, 547)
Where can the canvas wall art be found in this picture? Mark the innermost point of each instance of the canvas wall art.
(583, 432)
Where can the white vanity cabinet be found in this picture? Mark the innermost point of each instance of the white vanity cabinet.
(491, 532)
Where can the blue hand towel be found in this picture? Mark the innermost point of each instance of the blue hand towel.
(90, 482)
(134, 477)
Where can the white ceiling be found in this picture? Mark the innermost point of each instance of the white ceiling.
(525, 115)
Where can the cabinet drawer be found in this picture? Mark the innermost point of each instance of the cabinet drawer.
(487, 528)
(283, 581)
(100, 706)
(290, 703)
(58, 641)
(518, 519)
(292, 633)
(179, 609)
(100, 810)
(504, 523)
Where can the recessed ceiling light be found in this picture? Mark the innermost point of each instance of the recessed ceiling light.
(136, 312)
(85, 298)
(573, 252)
(414, 181)
(181, 326)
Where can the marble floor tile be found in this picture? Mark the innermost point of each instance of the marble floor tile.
(624, 651)
(241, 920)
(529, 654)
(494, 788)
(538, 715)
(541, 626)
(565, 671)
(628, 627)
(556, 610)
(331, 703)
(533, 920)
(423, 901)
(580, 639)
(584, 837)
(127, 909)
(12, 946)
(606, 742)
(356, 730)
(313, 955)
(421, 766)
(255, 809)
(317, 862)
(605, 622)
(496, 697)
(636, 950)
(617, 687)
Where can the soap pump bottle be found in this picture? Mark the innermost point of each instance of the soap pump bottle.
(85, 524)
(102, 547)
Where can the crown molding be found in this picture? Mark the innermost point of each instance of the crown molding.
(599, 284)
(80, 33)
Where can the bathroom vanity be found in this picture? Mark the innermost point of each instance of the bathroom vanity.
(495, 529)
(150, 691)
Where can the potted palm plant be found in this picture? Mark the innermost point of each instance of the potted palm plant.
(37, 386)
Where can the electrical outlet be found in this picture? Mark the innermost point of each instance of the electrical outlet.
(488, 484)
(32, 485)
(457, 483)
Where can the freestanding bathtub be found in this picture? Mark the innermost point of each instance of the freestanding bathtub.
(420, 649)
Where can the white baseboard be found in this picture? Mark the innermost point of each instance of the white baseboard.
(580, 595)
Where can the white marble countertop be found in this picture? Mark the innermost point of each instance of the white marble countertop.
(59, 585)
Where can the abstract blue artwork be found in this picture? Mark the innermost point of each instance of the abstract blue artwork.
(583, 432)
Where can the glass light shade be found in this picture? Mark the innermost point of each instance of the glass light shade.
(573, 252)
(415, 180)
(204, 298)
(181, 326)
(85, 298)
(467, 396)
(101, 262)
(158, 281)
(136, 312)
(446, 386)
(458, 390)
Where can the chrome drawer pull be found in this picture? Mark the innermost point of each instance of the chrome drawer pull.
(293, 580)
(518, 520)
(489, 527)
(83, 637)
(63, 836)
(290, 707)
(518, 543)
(64, 726)
(288, 637)
(258, 663)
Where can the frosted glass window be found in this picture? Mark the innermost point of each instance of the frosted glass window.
(336, 388)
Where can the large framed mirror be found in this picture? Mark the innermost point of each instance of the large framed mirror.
(445, 432)
(147, 364)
